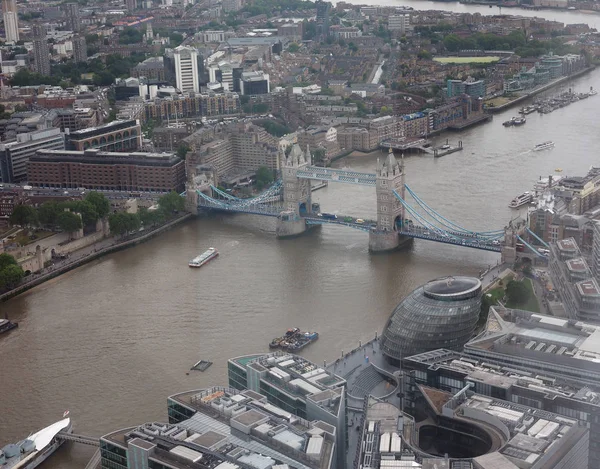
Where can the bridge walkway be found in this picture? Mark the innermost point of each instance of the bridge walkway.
(83, 439)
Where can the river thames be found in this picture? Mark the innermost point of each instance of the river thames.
(111, 340)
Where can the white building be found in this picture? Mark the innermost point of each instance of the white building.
(213, 36)
(11, 20)
(186, 69)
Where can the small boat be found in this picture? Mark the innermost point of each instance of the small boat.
(558, 170)
(509, 123)
(519, 121)
(521, 200)
(6, 325)
(204, 258)
(592, 92)
(544, 146)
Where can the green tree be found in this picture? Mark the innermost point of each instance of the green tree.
(171, 202)
(69, 222)
(182, 150)
(264, 176)
(88, 212)
(150, 217)
(10, 276)
(318, 155)
(117, 223)
(99, 202)
(293, 47)
(121, 223)
(24, 215)
(6, 260)
(517, 292)
(48, 212)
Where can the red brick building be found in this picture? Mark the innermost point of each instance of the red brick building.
(94, 169)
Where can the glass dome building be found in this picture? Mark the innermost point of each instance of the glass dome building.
(442, 313)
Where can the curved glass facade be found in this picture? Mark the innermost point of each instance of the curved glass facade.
(442, 313)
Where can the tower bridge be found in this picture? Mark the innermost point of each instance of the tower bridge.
(399, 220)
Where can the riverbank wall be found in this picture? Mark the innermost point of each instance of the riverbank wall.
(537, 91)
(91, 257)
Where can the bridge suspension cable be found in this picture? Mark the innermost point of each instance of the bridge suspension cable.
(544, 243)
(535, 251)
(418, 217)
(449, 224)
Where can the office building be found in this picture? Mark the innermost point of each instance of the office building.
(119, 135)
(573, 280)
(400, 24)
(11, 20)
(73, 16)
(186, 69)
(221, 428)
(440, 314)
(297, 386)
(474, 88)
(463, 430)
(103, 170)
(131, 5)
(527, 358)
(252, 83)
(79, 48)
(41, 53)
(14, 156)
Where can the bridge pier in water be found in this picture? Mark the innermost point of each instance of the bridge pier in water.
(296, 194)
(389, 178)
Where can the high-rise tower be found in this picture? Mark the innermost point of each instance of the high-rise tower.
(11, 20)
(186, 69)
(41, 52)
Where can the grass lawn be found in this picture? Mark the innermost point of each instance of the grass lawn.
(531, 304)
(466, 60)
(22, 238)
(499, 101)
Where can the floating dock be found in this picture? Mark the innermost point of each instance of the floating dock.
(202, 365)
(294, 340)
(447, 149)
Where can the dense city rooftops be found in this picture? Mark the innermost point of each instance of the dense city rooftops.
(231, 422)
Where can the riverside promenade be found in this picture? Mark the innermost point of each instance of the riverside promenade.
(538, 90)
(87, 254)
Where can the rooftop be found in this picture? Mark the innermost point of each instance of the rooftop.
(232, 423)
(568, 244)
(563, 347)
(293, 373)
(105, 157)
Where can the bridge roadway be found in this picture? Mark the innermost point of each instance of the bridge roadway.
(467, 241)
(337, 175)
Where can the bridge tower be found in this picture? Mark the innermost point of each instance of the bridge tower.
(390, 178)
(296, 193)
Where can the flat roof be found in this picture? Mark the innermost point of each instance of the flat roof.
(568, 244)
